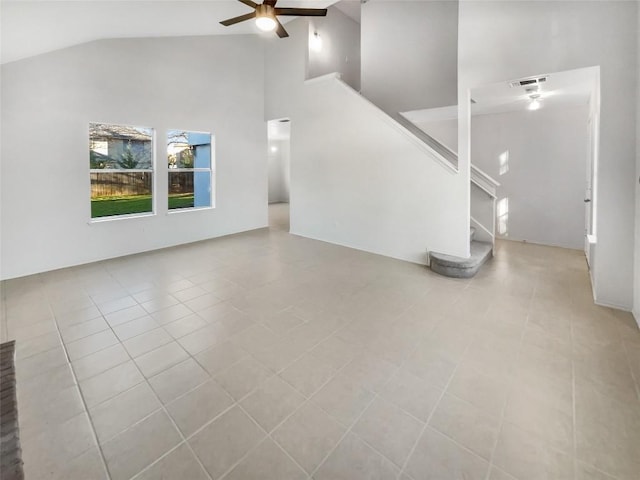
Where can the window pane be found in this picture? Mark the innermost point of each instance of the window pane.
(189, 162)
(118, 158)
(120, 147)
(189, 189)
(120, 193)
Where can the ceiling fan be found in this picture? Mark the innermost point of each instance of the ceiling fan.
(266, 15)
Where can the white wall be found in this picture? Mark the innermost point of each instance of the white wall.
(195, 83)
(409, 54)
(507, 40)
(547, 165)
(278, 170)
(636, 288)
(358, 179)
(340, 50)
(285, 70)
(445, 131)
(287, 61)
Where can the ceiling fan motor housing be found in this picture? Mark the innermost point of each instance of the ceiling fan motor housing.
(264, 10)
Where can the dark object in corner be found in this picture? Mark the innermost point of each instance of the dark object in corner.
(10, 451)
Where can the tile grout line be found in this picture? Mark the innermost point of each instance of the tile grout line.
(162, 407)
(426, 423)
(211, 378)
(573, 401)
(468, 285)
(636, 381)
(376, 395)
(84, 402)
(305, 402)
(145, 380)
(347, 426)
(511, 387)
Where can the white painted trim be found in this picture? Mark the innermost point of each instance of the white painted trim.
(126, 216)
(482, 187)
(120, 170)
(432, 114)
(323, 78)
(522, 240)
(174, 211)
(391, 121)
(482, 227)
(624, 308)
(187, 170)
(484, 175)
(372, 252)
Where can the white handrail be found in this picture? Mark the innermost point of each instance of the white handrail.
(485, 176)
(481, 226)
(484, 186)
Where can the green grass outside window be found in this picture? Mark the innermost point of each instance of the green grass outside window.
(113, 206)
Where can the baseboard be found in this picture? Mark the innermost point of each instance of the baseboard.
(624, 308)
(552, 245)
(636, 315)
(347, 245)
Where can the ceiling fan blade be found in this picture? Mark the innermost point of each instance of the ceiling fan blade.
(302, 12)
(270, 2)
(280, 30)
(241, 18)
(249, 3)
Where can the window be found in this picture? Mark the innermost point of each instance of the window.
(190, 174)
(121, 169)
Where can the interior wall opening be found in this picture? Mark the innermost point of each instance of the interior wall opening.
(279, 159)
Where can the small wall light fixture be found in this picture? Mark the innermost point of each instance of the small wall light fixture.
(316, 42)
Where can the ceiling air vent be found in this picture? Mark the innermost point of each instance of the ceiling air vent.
(524, 82)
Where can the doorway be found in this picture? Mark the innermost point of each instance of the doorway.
(279, 160)
(537, 136)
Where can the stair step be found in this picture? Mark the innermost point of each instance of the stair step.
(458, 267)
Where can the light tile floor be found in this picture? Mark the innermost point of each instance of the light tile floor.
(266, 355)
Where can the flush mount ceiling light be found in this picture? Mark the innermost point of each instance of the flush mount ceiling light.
(266, 15)
(535, 102)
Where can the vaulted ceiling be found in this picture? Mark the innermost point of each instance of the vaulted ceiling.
(32, 27)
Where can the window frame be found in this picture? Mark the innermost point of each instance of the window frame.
(151, 170)
(211, 170)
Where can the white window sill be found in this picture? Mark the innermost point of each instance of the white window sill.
(114, 218)
(173, 211)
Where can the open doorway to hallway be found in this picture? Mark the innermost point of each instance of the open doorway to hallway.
(279, 145)
(537, 136)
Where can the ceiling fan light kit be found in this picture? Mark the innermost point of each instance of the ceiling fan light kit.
(266, 15)
(265, 18)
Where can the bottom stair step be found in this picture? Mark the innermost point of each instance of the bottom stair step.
(459, 267)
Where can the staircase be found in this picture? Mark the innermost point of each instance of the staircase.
(387, 189)
(483, 212)
(458, 267)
